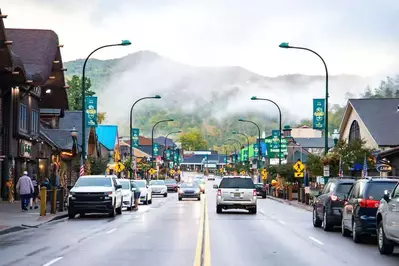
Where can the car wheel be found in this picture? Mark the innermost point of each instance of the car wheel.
(119, 209)
(165, 195)
(112, 213)
(316, 220)
(253, 210)
(345, 232)
(71, 214)
(325, 223)
(131, 205)
(146, 200)
(180, 198)
(219, 209)
(385, 246)
(357, 238)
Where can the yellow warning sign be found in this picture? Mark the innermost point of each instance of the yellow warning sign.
(172, 172)
(298, 166)
(120, 167)
(243, 172)
(151, 171)
(298, 174)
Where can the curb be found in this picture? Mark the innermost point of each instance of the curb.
(301, 206)
(14, 229)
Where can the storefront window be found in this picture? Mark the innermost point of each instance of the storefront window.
(43, 170)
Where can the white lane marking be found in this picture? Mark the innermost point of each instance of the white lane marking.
(315, 240)
(282, 222)
(110, 231)
(52, 261)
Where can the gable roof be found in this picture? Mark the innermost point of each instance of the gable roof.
(107, 135)
(62, 135)
(161, 141)
(313, 142)
(380, 117)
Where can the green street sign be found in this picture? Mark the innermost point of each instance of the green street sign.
(318, 113)
(167, 155)
(135, 137)
(245, 155)
(155, 149)
(273, 144)
(256, 150)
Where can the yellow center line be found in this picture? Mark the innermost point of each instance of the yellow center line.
(203, 251)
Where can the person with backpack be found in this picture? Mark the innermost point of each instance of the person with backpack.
(36, 189)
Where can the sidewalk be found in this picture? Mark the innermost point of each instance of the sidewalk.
(294, 203)
(12, 219)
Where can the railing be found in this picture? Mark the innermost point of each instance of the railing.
(51, 201)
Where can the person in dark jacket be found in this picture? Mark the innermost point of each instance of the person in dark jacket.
(36, 189)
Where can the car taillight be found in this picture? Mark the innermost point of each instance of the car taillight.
(254, 193)
(219, 192)
(333, 198)
(369, 203)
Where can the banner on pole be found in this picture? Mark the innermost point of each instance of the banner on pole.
(318, 113)
(135, 137)
(91, 111)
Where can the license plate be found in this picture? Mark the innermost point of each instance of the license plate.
(237, 194)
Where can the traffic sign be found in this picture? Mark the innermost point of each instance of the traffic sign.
(172, 172)
(151, 171)
(298, 166)
(120, 167)
(264, 172)
(243, 172)
(298, 174)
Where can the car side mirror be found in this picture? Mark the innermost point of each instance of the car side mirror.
(133, 189)
(215, 186)
(387, 195)
(118, 186)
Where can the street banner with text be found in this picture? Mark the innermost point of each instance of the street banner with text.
(155, 149)
(273, 144)
(91, 111)
(135, 137)
(318, 113)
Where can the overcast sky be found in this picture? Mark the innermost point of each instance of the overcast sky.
(354, 37)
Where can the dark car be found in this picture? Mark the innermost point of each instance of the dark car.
(189, 190)
(360, 210)
(171, 185)
(261, 190)
(327, 208)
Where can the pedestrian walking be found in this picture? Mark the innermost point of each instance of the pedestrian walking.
(36, 189)
(25, 190)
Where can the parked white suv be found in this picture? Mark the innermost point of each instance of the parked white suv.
(95, 194)
(236, 192)
(145, 191)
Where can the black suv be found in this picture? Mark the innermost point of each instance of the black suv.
(360, 210)
(327, 208)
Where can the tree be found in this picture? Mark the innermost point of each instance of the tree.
(98, 165)
(75, 92)
(193, 140)
(101, 117)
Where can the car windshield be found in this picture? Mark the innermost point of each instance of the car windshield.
(140, 183)
(157, 183)
(200, 182)
(93, 182)
(189, 185)
(376, 189)
(170, 181)
(125, 185)
(259, 185)
(238, 182)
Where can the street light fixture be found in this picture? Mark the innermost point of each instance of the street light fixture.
(122, 43)
(242, 134)
(335, 136)
(131, 133)
(152, 138)
(254, 98)
(286, 45)
(259, 149)
(239, 143)
(74, 132)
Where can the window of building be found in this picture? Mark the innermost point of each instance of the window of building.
(23, 117)
(354, 131)
(35, 122)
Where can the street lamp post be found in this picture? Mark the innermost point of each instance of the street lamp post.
(123, 43)
(131, 133)
(242, 134)
(152, 139)
(287, 46)
(254, 98)
(259, 149)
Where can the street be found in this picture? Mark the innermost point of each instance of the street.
(172, 232)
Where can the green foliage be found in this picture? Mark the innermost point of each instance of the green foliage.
(285, 171)
(314, 165)
(98, 165)
(75, 92)
(193, 140)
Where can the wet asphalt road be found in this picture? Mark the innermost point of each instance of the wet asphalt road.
(167, 233)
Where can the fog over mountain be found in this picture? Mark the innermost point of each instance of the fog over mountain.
(223, 91)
